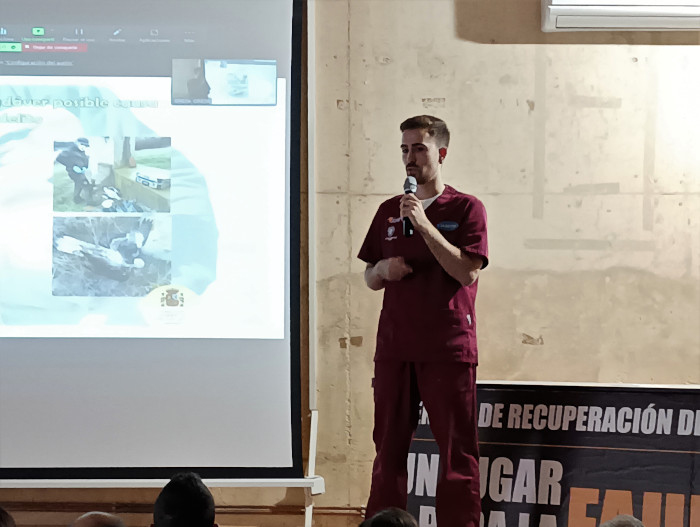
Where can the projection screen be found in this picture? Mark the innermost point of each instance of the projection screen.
(149, 238)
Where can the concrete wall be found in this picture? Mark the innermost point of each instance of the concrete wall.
(585, 150)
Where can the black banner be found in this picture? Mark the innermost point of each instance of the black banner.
(577, 456)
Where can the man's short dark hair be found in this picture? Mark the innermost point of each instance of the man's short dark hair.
(392, 517)
(623, 520)
(5, 519)
(434, 126)
(184, 502)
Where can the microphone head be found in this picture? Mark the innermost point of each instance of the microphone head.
(410, 185)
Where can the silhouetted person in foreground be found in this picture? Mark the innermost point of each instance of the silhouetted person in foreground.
(623, 520)
(392, 517)
(98, 519)
(184, 502)
(5, 519)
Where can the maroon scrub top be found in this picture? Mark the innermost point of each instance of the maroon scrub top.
(428, 315)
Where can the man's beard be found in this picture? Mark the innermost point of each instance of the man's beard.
(419, 174)
(414, 171)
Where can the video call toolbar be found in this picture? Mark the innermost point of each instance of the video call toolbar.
(133, 37)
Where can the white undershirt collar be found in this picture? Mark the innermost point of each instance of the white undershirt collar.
(427, 202)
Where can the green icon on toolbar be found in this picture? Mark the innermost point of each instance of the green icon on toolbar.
(11, 47)
(38, 31)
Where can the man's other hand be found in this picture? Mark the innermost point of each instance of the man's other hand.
(390, 270)
(393, 269)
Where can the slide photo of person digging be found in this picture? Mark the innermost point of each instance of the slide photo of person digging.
(112, 174)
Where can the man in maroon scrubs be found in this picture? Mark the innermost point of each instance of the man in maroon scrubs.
(426, 342)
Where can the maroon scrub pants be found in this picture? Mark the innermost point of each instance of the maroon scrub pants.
(448, 392)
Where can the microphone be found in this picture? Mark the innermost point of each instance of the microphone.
(409, 187)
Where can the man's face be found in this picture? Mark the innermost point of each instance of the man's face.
(420, 155)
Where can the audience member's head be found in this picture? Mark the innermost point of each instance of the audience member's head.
(184, 502)
(98, 519)
(391, 517)
(5, 519)
(623, 520)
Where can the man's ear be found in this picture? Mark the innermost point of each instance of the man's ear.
(443, 153)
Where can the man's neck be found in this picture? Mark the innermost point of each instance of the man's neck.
(431, 188)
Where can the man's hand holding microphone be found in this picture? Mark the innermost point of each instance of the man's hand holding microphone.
(411, 209)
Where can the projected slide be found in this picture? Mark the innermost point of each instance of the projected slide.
(122, 211)
(149, 240)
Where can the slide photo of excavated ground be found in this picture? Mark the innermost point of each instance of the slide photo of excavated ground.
(112, 174)
(111, 255)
